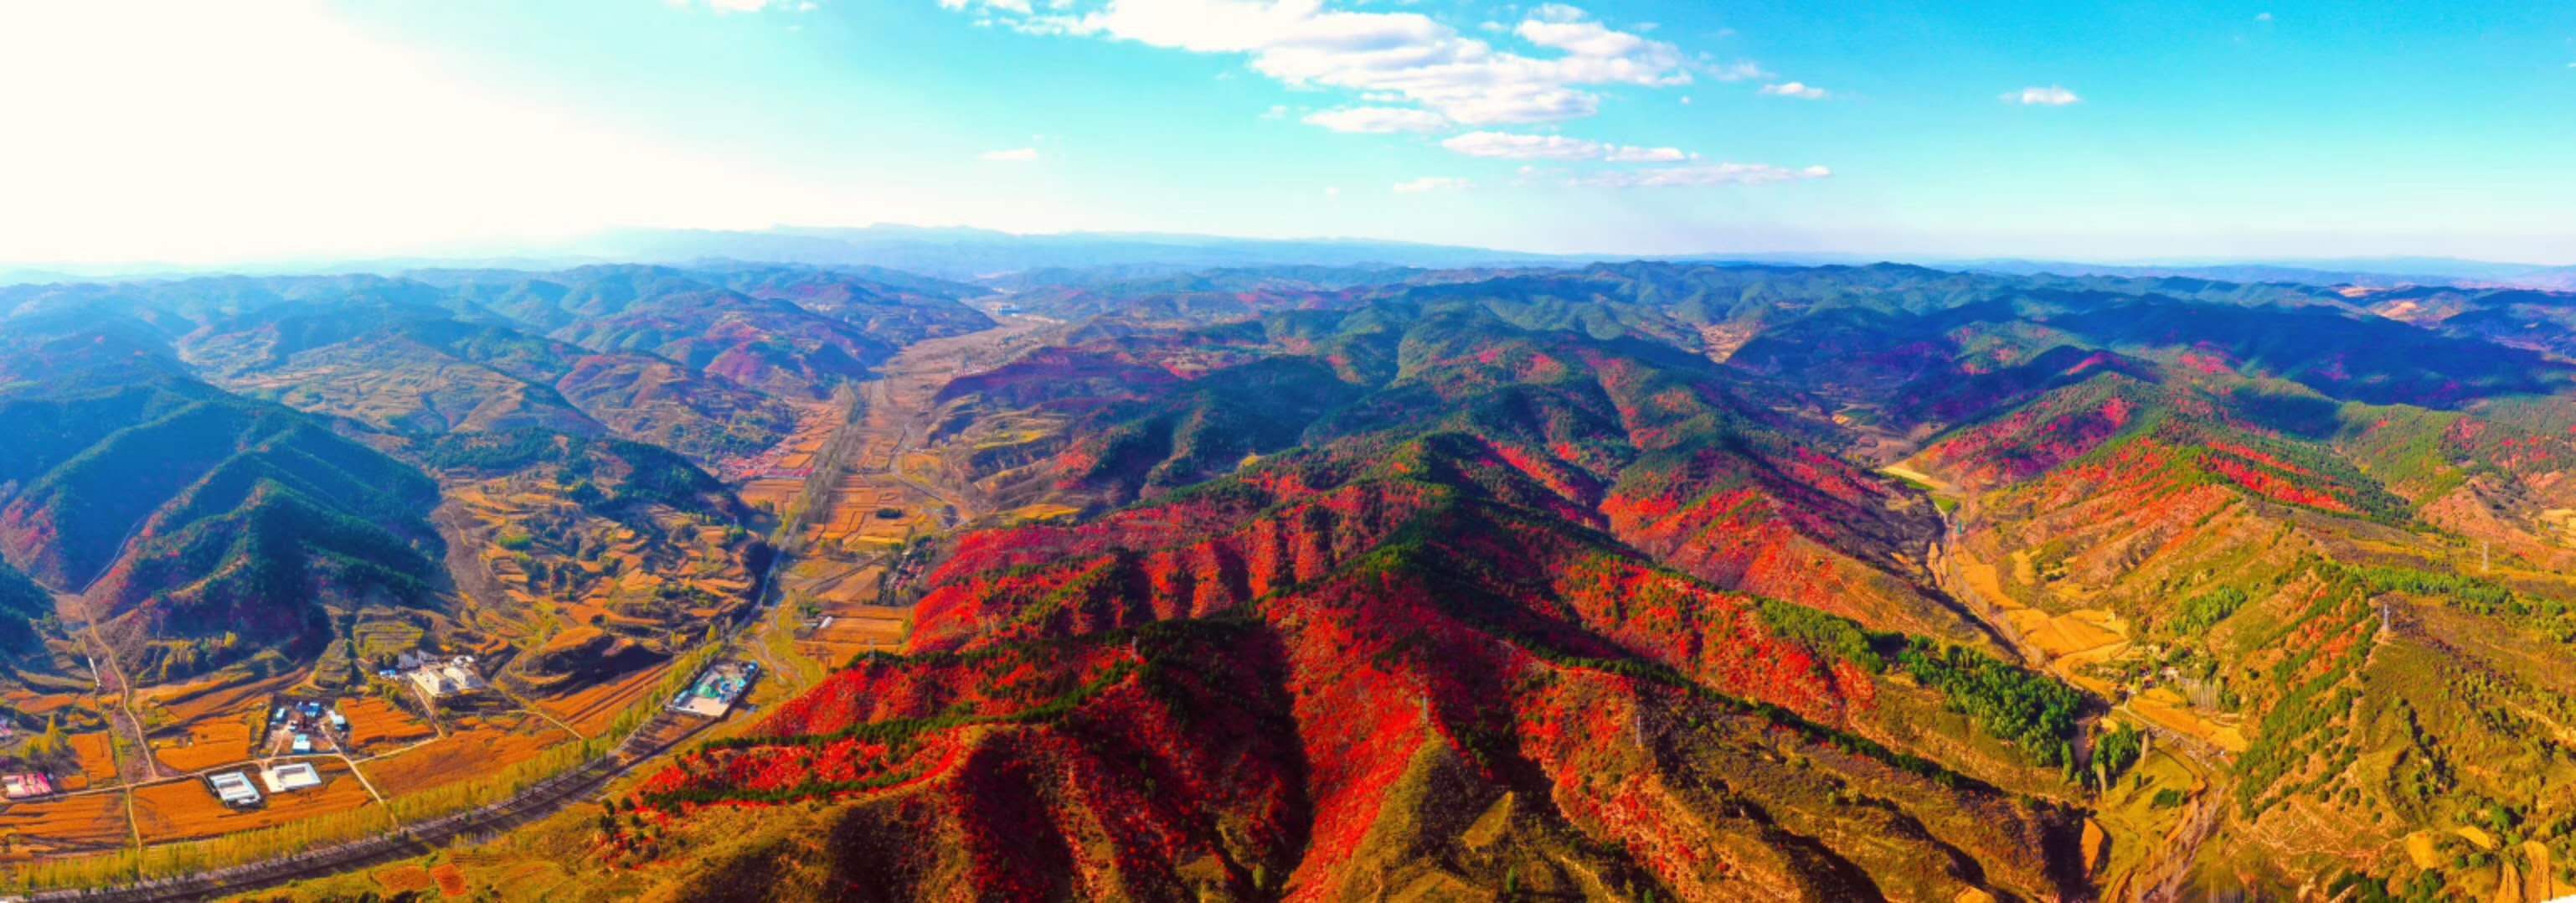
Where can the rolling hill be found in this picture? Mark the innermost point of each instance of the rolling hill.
(1512, 581)
(1675, 580)
(179, 512)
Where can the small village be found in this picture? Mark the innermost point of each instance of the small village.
(297, 729)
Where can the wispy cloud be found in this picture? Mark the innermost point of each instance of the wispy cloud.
(1432, 183)
(2262, 17)
(1740, 70)
(1697, 175)
(1378, 120)
(2051, 96)
(1799, 90)
(1405, 57)
(1014, 155)
(738, 6)
(1512, 146)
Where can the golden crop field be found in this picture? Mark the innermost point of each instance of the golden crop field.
(374, 722)
(68, 824)
(592, 709)
(187, 810)
(475, 747)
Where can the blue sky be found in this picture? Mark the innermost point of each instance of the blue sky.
(2220, 130)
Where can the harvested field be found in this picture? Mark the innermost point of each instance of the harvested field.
(816, 421)
(854, 629)
(771, 494)
(2170, 711)
(205, 743)
(668, 730)
(183, 703)
(850, 519)
(475, 748)
(374, 722)
(186, 810)
(40, 706)
(97, 754)
(592, 709)
(71, 824)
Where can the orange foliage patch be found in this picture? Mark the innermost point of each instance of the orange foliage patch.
(404, 879)
(450, 881)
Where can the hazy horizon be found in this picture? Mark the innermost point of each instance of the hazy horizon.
(586, 249)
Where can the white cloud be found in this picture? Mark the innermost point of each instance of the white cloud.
(1014, 155)
(2051, 96)
(1407, 56)
(1799, 90)
(1685, 100)
(2262, 17)
(1511, 146)
(1276, 111)
(1740, 70)
(1432, 183)
(1555, 12)
(1332, 191)
(313, 137)
(1378, 120)
(1699, 174)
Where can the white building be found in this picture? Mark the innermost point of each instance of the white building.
(453, 676)
(234, 788)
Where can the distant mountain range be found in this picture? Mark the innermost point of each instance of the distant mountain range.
(2375, 272)
(964, 253)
